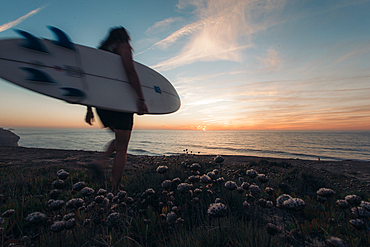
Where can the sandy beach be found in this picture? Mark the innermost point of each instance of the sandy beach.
(351, 171)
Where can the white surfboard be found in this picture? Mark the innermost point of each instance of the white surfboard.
(82, 75)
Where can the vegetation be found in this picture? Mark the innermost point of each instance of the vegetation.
(181, 201)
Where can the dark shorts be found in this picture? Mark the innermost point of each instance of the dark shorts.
(116, 120)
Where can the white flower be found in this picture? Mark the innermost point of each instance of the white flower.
(205, 179)
(78, 186)
(294, 204)
(281, 199)
(57, 226)
(325, 192)
(104, 202)
(55, 193)
(36, 218)
(262, 178)
(262, 202)
(162, 169)
(217, 210)
(197, 191)
(230, 185)
(251, 173)
(62, 174)
(343, 204)
(109, 196)
(70, 223)
(171, 217)
(254, 189)
(269, 190)
(166, 184)
(240, 190)
(365, 205)
(56, 205)
(58, 184)
(195, 166)
(194, 178)
(112, 219)
(245, 185)
(184, 187)
(269, 204)
(212, 175)
(101, 192)
(99, 199)
(75, 203)
(353, 200)
(87, 191)
(150, 192)
(68, 216)
(336, 242)
(357, 223)
(360, 212)
(246, 205)
(122, 194)
(8, 213)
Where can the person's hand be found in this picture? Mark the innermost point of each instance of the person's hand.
(89, 116)
(141, 107)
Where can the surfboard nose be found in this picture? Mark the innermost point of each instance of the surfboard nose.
(32, 42)
(63, 39)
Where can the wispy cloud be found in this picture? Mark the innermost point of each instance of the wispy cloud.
(163, 24)
(222, 31)
(271, 61)
(11, 24)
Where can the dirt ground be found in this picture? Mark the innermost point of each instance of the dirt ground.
(36, 157)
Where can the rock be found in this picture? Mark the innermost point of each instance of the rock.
(219, 159)
(8, 138)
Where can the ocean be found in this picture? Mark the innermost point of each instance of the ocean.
(326, 145)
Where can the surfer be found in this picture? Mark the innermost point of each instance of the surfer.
(118, 42)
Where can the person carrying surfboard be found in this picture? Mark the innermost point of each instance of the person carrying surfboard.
(118, 42)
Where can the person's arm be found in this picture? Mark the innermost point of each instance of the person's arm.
(124, 50)
(89, 115)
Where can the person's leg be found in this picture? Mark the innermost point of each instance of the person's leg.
(119, 163)
(111, 148)
(99, 164)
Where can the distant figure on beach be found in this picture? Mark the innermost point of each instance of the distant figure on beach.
(118, 42)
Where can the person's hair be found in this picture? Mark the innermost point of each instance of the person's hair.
(118, 34)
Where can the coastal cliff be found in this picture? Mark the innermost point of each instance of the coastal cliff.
(8, 138)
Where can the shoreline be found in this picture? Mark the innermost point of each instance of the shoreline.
(79, 159)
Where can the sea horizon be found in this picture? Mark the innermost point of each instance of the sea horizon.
(294, 144)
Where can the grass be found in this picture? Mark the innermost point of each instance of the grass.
(171, 218)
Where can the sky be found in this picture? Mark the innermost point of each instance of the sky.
(236, 64)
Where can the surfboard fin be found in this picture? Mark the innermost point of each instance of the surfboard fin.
(73, 92)
(63, 39)
(32, 42)
(38, 76)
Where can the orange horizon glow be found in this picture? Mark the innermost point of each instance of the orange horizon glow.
(204, 128)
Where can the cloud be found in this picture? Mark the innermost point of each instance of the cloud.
(271, 60)
(222, 31)
(11, 24)
(163, 24)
